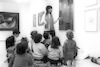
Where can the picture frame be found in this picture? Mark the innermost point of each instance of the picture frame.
(91, 20)
(9, 21)
(34, 20)
(89, 3)
(66, 13)
(40, 16)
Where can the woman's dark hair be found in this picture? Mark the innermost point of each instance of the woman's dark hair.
(37, 38)
(47, 9)
(46, 35)
(55, 42)
(21, 47)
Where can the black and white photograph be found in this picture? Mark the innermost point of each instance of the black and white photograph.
(49, 33)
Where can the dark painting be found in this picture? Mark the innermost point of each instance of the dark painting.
(9, 21)
(66, 12)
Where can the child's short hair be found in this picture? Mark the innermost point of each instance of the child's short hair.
(46, 35)
(37, 38)
(55, 42)
(24, 39)
(21, 47)
(10, 42)
(69, 34)
(33, 34)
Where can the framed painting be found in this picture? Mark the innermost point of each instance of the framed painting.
(34, 20)
(9, 21)
(89, 3)
(40, 15)
(66, 13)
(91, 20)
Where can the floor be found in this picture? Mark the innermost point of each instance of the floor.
(79, 62)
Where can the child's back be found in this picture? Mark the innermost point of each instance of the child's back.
(55, 51)
(69, 49)
(21, 58)
(24, 60)
(54, 54)
(39, 50)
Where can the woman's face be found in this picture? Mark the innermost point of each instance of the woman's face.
(50, 10)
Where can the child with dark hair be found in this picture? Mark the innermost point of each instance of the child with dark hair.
(55, 51)
(32, 39)
(69, 48)
(22, 58)
(46, 40)
(39, 49)
(24, 39)
(33, 33)
(10, 43)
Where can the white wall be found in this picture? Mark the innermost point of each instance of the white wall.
(87, 41)
(8, 7)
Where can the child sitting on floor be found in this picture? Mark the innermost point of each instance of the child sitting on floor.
(39, 50)
(55, 51)
(46, 40)
(21, 58)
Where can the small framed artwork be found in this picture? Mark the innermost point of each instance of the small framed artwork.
(89, 3)
(91, 20)
(40, 15)
(34, 20)
(9, 21)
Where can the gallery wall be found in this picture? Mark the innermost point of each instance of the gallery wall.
(87, 41)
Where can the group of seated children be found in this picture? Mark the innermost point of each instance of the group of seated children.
(48, 50)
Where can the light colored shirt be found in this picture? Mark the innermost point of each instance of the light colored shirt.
(55, 54)
(48, 21)
(39, 50)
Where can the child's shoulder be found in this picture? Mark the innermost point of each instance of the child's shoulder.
(41, 45)
(73, 41)
(66, 41)
(28, 55)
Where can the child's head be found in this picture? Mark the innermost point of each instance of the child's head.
(46, 35)
(24, 39)
(55, 42)
(16, 33)
(37, 38)
(33, 34)
(22, 47)
(69, 34)
(10, 41)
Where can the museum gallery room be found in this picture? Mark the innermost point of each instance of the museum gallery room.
(80, 16)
